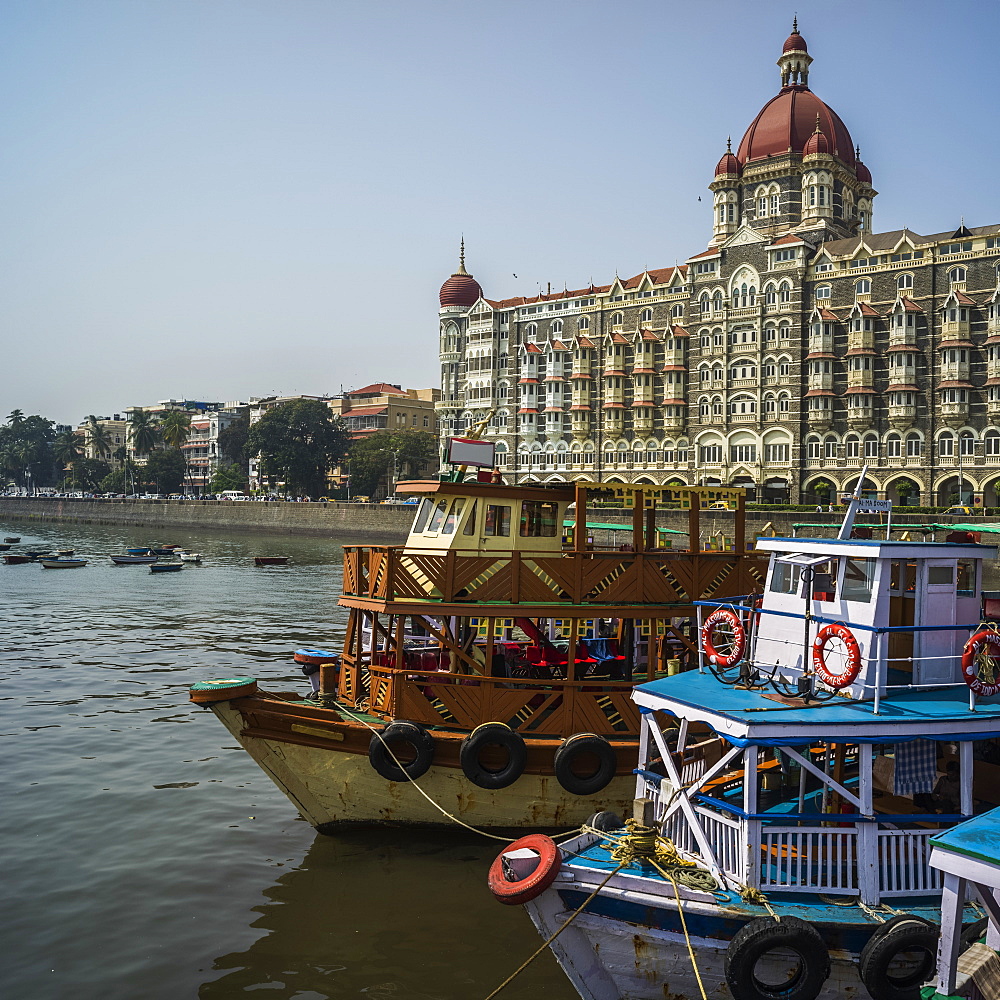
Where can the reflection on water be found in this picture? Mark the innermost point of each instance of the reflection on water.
(148, 856)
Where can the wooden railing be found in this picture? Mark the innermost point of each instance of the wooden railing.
(389, 573)
(532, 707)
(904, 868)
(803, 859)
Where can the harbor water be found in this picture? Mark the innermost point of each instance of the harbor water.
(148, 857)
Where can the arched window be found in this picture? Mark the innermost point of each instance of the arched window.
(957, 274)
(893, 446)
(853, 447)
(530, 331)
(775, 201)
(770, 295)
(647, 316)
(785, 292)
(717, 302)
(557, 326)
(703, 302)
(617, 319)
(823, 292)
(814, 447)
(991, 443)
(904, 281)
(914, 446)
(862, 287)
(583, 323)
(677, 312)
(871, 447)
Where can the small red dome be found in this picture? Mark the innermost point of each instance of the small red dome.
(727, 165)
(460, 289)
(864, 174)
(794, 43)
(817, 143)
(787, 121)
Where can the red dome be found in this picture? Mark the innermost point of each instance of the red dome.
(787, 121)
(817, 143)
(864, 174)
(794, 43)
(727, 165)
(460, 289)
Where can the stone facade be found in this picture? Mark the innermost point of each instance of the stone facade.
(799, 347)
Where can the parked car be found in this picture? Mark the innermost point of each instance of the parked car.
(960, 511)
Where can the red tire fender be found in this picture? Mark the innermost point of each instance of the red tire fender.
(512, 893)
(849, 676)
(730, 618)
(970, 669)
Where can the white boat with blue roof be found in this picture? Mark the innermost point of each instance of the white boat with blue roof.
(789, 788)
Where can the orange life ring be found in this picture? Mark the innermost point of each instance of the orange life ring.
(723, 616)
(970, 666)
(514, 893)
(846, 636)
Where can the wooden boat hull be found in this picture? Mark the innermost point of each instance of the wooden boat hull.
(16, 560)
(166, 567)
(133, 560)
(270, 560)
(323, 768)
(62, 563)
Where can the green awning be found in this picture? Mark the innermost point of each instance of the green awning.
(608, 526)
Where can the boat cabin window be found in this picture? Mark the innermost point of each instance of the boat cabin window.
(902, 577)
(470, 524)
(940, 576)
(824, 581)
(859, 580)
(426, 506)
(538, 519)
(453, 517)
(438, 516)
(497, 520)
(966, 578)
(785, 578)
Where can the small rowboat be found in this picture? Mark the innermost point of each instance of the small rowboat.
(173, 567)
(15, 559)
(144, 551)
(270, 560)
(39, 554)
(133, 560)
(191, 557)
(4, 547)
(13, 540)
(64, 552)
(162, 552)
(62, 563)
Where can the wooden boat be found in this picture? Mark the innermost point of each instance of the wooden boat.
(270, 560)
(67, 553)
(802, 772)
(190, 557)
(162, 551)
(166, 567)
(62, 563)
(491, 614)
(142, 551)
(13, 539)
(4, 547)
(133, 560)
(16, 558)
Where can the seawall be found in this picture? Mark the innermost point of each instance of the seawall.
(361, 520)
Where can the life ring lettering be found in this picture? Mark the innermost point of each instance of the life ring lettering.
(731, 633)
(981, 663)
(851, 666)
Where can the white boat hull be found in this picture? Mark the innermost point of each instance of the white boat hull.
(609, 959)
(333, 789)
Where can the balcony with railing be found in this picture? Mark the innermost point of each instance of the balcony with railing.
(860, 340)
(860, 378)
(821, 380)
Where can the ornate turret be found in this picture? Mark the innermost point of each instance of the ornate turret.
(461, 289)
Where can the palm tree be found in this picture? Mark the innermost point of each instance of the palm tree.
(97, 437)
(66, 449)
(15, 417)
(143, 432)
(176, 428)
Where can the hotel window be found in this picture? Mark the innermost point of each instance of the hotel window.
(823, 292)
(853, 448)
(814, 447)
(871, 447)
(957, 274)
(904, 281)
(743, 453)
(914, 446)
(894, 447)
(776, 452)
(775, 203)
(946, 446)
(862, 287)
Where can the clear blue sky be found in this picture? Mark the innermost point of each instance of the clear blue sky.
(223, 199)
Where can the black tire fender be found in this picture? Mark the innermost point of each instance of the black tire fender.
(401, 732)
(605, 821)
(493, 734)
(570, 749)
(905, 933)
(756, 938)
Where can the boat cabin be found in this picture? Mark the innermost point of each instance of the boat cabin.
(908, 606)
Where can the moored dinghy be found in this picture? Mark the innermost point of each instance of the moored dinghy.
(841, 711)
(166, 567)
(270, 560)
(13, 539)
(509, 648)
(133, 560)
(62, 563)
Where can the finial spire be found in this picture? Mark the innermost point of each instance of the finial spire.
(818, 129)
(729, 143)
(795, 24)
(461, 257)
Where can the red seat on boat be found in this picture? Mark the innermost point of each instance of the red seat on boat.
(429, 660)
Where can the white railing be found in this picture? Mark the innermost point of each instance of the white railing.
(903, 863)
(728, 840)
(800, 859)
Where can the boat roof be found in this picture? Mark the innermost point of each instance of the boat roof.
(745, 717)
(975, 838)
(872, 548)
(898, 526)
(610, 526)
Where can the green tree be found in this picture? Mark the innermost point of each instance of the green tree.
(175, 428)
(376, 459)
(26, 449)
(299, 442)
(229, 477)
(143, 431)
(66, 449)
(164, 470)
(97, 437)
(233, 442)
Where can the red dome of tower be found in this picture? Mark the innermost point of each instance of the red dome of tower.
(816, 143)
(864, 174)
(786, 123)
(728, 164)
(461, 289)
(794, 43)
